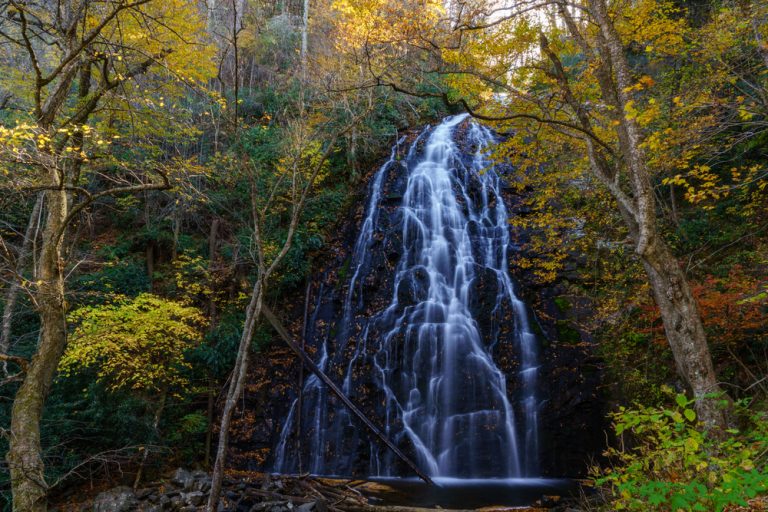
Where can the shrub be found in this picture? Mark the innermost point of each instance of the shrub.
(666, 461)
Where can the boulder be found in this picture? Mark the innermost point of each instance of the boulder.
(182, 478)
(195, 498)
(119, 499)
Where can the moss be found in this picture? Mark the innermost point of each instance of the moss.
(562, 304)
(344, 270)
(566, 333)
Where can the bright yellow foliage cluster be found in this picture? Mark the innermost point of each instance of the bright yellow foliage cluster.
(136, 345)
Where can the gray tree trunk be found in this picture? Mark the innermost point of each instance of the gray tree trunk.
(684, 331)
(679, 311)
(24, 456)
(236, 384)
(304, 39)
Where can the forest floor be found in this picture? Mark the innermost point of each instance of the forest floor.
(187, 491)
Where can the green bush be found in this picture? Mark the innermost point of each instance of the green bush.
(666, 461)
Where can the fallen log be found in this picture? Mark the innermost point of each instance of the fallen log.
(272, 319)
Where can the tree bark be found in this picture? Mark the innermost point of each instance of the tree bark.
(684, 331)
(235, 388)
(304, 39)
(24, 456)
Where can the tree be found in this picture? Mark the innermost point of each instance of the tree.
(137, 345)
(75, 59)
(278, 190)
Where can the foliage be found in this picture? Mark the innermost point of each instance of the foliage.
(134, 344)
(666, 462)
(733, 314)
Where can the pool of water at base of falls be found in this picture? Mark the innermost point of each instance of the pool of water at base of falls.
(470, 493)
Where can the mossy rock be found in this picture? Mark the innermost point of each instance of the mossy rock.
(562, 304)
(566, 333)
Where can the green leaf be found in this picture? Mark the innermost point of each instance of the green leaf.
(689, 414)
(681, 400)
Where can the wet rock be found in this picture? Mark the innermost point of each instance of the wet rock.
(182, 478)
(413, 287)
(202, 481)
(145, 493)
(195, 498)
(119, 499)
(484, 291)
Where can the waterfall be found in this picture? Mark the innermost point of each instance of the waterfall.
(424, 360)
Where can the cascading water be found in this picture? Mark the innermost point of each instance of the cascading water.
(425, 358)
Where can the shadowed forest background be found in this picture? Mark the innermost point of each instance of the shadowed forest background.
(172, 170)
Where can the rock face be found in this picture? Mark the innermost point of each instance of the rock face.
(570, 410)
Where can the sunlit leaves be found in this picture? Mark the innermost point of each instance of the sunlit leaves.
(134, 344)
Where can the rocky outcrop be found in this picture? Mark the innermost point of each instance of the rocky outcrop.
(119, 499)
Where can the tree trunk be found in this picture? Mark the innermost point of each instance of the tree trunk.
(679, 311)
(304, 39)
(235, 388)
(685, 331)
(156, 431)
(12, 294)
(24, 456)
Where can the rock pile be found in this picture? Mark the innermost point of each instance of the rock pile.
(187, 491)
